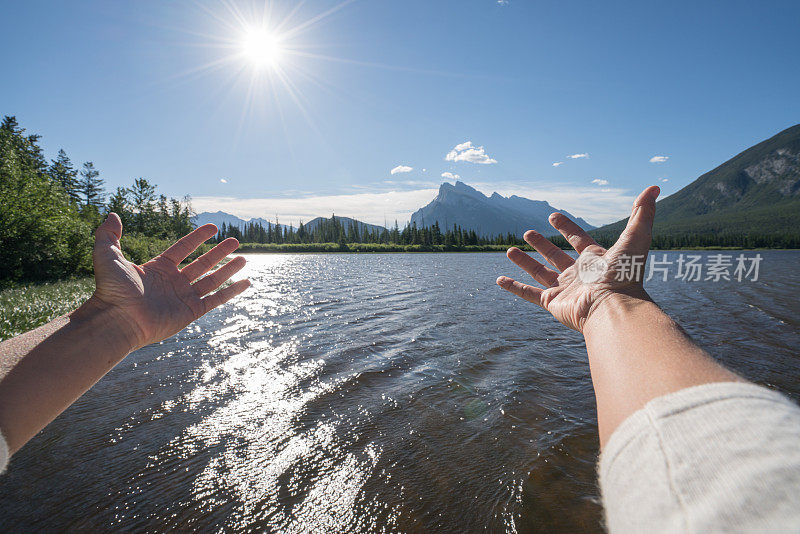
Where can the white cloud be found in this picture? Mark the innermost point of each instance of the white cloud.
(402, 168)
(665, 179)
(450, 175)
(367, 207)
(558, 163)
(223, 180)
(466, 151)
(600, 181)
(502, 2)
(659, 159)
(397, 201)
(578, 156)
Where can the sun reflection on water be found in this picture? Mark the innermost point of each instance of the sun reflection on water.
(254, 431)
(357, 393)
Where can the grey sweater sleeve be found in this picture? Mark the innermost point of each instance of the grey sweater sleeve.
(3, 454)
(722, 457)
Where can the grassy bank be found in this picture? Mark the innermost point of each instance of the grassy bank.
(28, 306)
(24, 306)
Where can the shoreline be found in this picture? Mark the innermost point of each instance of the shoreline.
(484, 251)
(27, 305)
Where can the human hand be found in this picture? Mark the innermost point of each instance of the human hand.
(574, 294)
(153, 301)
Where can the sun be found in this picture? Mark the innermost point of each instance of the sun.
(261, 47)
(268, 50)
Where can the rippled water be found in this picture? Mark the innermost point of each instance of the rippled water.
(367, 393)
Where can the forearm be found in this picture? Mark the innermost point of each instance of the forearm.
(637, 353)
(43, 371)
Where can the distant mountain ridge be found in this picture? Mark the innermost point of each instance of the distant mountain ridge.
(489, 216)
(220, 217)
(755, 192)
(751, 200)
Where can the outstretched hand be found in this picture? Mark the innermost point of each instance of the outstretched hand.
(158, 299)
(574, 293)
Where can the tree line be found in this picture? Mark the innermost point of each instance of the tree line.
(336, 230)
(50, 209)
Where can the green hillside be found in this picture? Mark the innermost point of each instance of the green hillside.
(751, 200)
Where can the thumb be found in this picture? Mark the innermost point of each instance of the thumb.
(110, 231)
(638, 233)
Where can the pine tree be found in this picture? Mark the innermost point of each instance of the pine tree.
(120, 204)
(31, 158)
(42, 235)
(91, 186)
(180, 223)
(143, 196)
(278, 231)
(63, 173)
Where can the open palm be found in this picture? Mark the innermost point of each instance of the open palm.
(158, 299)
(572, 294)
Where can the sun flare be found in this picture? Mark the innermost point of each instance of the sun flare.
(269, 52)
(261, 47)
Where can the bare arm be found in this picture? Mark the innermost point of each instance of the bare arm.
(636, 352)
(45, 370)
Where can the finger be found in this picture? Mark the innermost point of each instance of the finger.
(212, 281)
(109, 232)
(529, 293)
(638, 232)
(574, 234)
(188, 243)
(224, 295)
(540, 273)
(557, 257)
(207, 261)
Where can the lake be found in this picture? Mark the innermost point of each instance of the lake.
(369, 393)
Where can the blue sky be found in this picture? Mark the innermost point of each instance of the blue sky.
(165, 91)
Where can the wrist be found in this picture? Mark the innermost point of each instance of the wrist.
(106, 321)
(614, 306)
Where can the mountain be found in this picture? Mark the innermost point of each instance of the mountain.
(219, 217)
(754, 193)
(489, 216)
